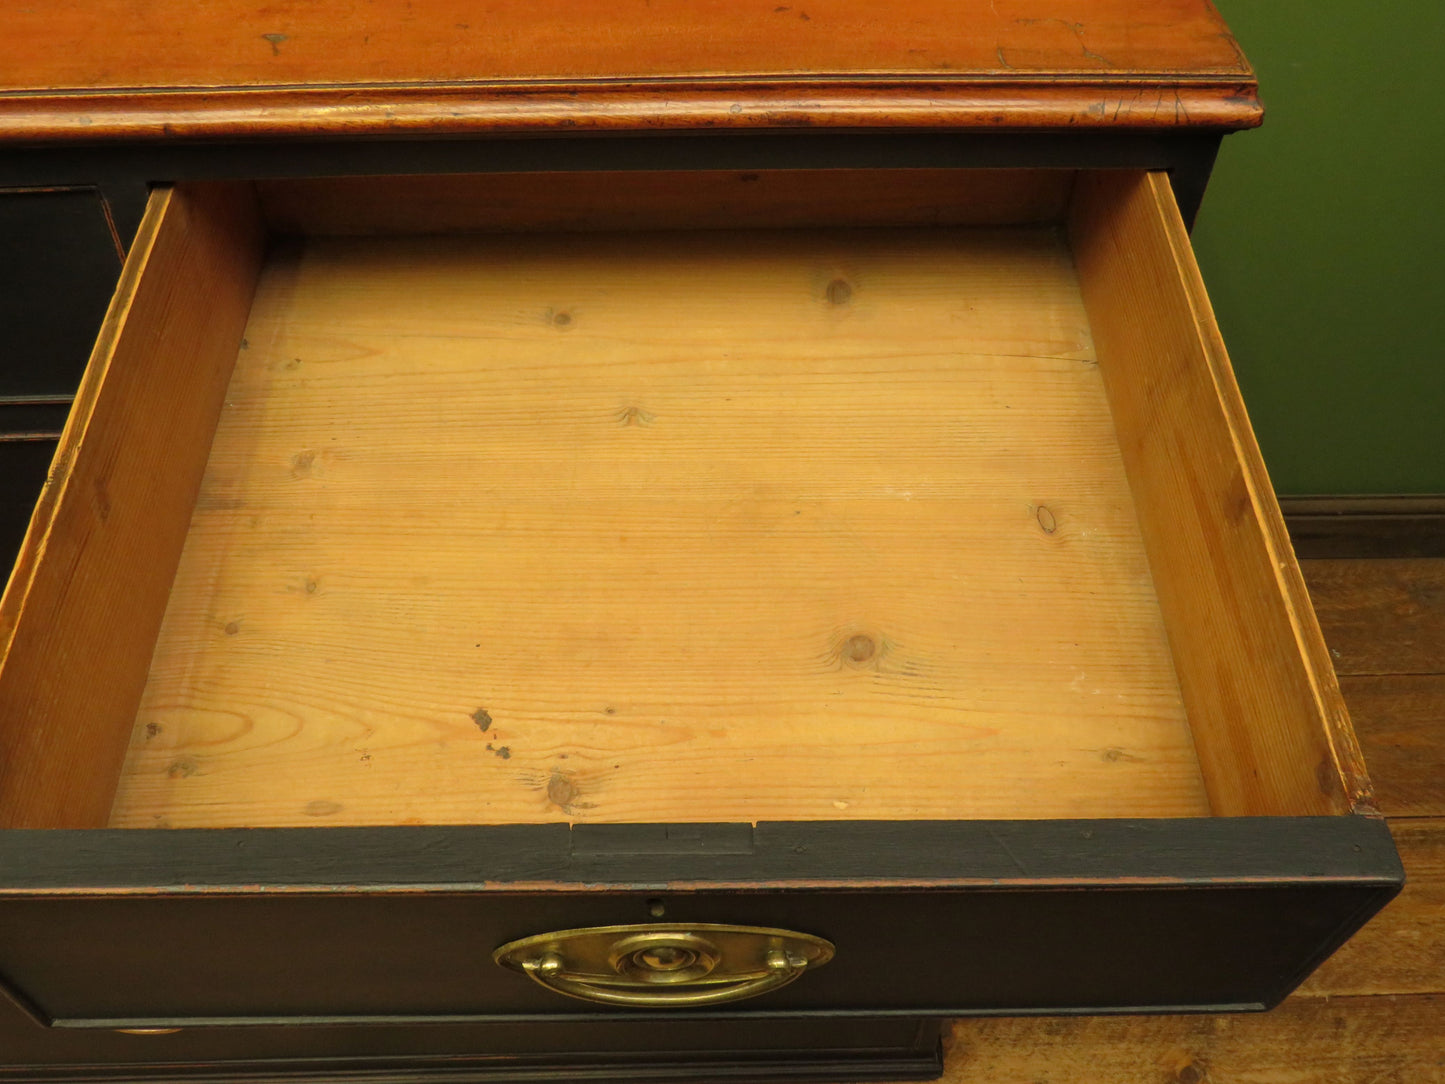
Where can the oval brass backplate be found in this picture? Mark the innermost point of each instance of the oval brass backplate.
(665, 963)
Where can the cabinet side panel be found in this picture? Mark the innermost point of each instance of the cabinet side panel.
(79, 617)
(1270, 726)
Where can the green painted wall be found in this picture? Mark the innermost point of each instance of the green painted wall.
(1322, 241)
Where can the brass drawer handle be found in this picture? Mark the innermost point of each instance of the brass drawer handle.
(665, 964)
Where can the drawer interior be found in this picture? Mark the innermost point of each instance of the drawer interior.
(707, 497)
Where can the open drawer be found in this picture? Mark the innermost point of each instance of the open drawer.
(879, 563)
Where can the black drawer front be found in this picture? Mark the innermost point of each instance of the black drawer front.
(176, 928)
(136, 962)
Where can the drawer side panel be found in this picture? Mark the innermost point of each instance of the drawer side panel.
(94, 572)
(1270, 725)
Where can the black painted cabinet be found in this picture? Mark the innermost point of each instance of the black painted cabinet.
(59, 260)
(366, 952)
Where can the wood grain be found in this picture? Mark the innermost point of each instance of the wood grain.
(1391, 1040)
(166, 43)
(429, 111)
(80, 614)
(665, 199)
(1400, 719)
(1383, 616)
(167, 69)
(664, 527)
(1269, 722)
(1402, 950)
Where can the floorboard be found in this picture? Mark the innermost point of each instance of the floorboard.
(1402, 950)
(1353, 1040)
(1381, 616)
(1400, 719)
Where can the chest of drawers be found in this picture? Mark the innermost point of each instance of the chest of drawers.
(691, 544)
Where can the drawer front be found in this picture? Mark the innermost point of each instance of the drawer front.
(827, 1050)
(992, 917)
(174, 962)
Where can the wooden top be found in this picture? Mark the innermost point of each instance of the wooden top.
(140, 69)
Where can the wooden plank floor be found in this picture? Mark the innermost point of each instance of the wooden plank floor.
(1375, 1012)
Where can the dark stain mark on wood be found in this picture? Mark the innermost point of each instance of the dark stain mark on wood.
(1114, 754)
(301, 463)
(1327, 778)
(102, 499)
(504, 752)
(232, 627)
(1239, 507)
(245, 344)
(1190, 1073)
(839, 292)
(482, 718)
(1047, 523)
(152, 729)
(609, 711)
(311, 585)
(182, 768)
(562, 791)
(322, 807)
(275, 40)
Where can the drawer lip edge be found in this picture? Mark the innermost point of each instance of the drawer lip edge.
(803, 856)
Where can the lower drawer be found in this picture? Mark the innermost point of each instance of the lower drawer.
(847, 593)
(608, 1052)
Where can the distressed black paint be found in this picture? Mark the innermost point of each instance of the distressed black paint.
(135, 928)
